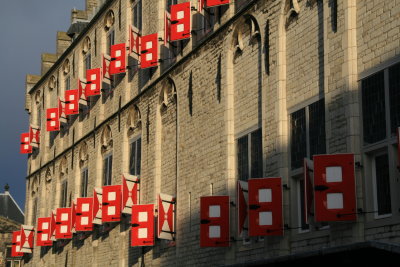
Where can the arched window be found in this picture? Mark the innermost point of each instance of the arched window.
(84, 171)
(134, 124)
(107, 155)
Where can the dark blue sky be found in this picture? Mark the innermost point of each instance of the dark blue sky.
(28, 29)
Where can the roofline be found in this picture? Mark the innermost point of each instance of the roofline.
(151, 85)
(71, 47)
(15, 202)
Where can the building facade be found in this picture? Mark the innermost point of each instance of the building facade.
(258, 87)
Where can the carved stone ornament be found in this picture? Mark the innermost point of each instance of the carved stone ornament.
(167, 94)
(83, 153)
(52, 82)
(86, 45)
(106, 139)
(109, 20)
(63, 166)
(134, 120)
(48, 175)
(66, 66)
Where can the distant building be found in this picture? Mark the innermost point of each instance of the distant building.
(11, 218)
(259, 86)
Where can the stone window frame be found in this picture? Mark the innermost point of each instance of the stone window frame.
(168, 94)
(106, 154)
(86, 55)
(66, 69)
(137, 8)
(387, 145)
(296, 174)
(248, 133)
(63, 183)
(83, 169)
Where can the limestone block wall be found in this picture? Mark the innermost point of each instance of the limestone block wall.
(251, 71)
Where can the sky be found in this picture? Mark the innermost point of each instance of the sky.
(28, 29)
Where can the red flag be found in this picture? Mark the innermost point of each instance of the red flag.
(214, 221)
(334, 188)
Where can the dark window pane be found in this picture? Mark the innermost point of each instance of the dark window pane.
(373, 107)
(256, 154)
(243, 158)
(132, 159)
(383, 184)
(394, 96)
(298, 142)
(110, 170)
(138, 155)
(84, 183)
(317, 128)
(107, 171)
(64, 187)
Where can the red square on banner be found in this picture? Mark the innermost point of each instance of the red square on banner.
(25, 147)
(43, 237)
(111, 203)
(94, 78)
(84, 214)
(71, 102)
(334, 188)
(180, 21)
(214, 221)
(149, 51)
(118, 59)
(265, 207)
(63, 223)
(142, 231)
(211, 3)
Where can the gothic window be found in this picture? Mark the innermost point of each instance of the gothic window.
(249, 155)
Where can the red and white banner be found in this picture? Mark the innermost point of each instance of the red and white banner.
(308, 167)
(97, 205)
(111, 203)
(63, 223)
(43, 237)
(149, 51)
(71, 102)
(214, 221)
(73, 217)
(16, 244)
(166, 217)
(242, 200)
(167, 28)
(61, 110)
(265, 207)
(130, 192)
(34, 136)
(106, 78)
(27, 234)
(118, 59)
(52, 119)
(212, 3)
(53, 225)
(334, 188)
(134, 41)
(82, 91)
(25, 147)
(84, 214)
(142, 232)
(180, 21)
(94, 78)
